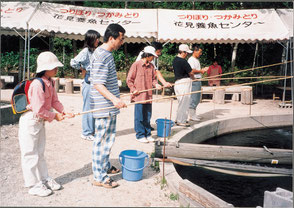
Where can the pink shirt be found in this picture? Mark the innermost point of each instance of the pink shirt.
(42, 102)
(141, 77)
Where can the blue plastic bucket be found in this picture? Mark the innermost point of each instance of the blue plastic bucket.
(132, 162)
(160, 127)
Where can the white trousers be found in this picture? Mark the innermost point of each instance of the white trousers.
(32, 141)
(183, 86)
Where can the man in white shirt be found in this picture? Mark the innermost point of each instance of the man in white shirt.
(196, 85)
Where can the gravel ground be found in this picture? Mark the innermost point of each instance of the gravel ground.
(69, 157)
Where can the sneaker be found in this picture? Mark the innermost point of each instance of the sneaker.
(89, 137)
(194, 118)
(199, 117)
(150, 139)
(40, 190)
(183, 124)
(143, 140)
(52, 184)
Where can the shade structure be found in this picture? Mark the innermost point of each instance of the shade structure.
(286, 16)
(15, 15)
(220, 26)
(74, 21)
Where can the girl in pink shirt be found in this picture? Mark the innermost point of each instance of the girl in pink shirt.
(32, 126)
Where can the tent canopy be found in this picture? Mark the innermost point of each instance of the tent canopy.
(75, 21)
(287, 17)
(220, 26)
(190, 26)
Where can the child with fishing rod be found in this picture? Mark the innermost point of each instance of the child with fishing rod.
(142, 76)
(42, 98)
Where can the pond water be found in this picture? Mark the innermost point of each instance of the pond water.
(239, 190)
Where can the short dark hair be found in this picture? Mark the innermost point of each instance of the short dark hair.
(90, 38)
(196, 47)
(156, 45)
(40, 74)
(113, 30)
(145, 55)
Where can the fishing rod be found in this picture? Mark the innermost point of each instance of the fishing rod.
(175, 96)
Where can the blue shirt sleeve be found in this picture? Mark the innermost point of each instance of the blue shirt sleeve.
(81, 60)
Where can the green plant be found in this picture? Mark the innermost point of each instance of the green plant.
(9, 60)
(163, 183)
(174, 197)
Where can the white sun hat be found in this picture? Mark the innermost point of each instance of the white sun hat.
(185, 47)
(47, 61)
(151, 50)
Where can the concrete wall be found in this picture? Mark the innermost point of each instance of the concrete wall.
(203, 131)
(7, 116)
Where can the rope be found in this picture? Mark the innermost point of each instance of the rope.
(225, 74)
(175, 96)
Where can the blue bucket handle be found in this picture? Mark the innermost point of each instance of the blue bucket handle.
(134, 169)
(171, 122)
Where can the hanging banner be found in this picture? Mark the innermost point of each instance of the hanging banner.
(220, 26)
(70, 19)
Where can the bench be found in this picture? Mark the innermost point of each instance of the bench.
(236, 91)
(5, 79)
(68, 84)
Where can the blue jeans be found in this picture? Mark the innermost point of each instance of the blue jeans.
(142, 120)
(195, 97)
(88, 122)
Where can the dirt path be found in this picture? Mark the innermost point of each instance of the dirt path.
(69, 158)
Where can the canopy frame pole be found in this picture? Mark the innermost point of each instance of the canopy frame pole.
(19, 34)
(29, 48)
(25, 55)
(35, 35)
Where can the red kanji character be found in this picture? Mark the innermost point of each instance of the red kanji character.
(182, 16)
(189, 17)
(87, 13)
(79, 12)
(63, 10)
(254, 16)
(218, 16)
(205, 17)
(227, 17)
(246, 16)
(100, 14)
(236, 16)
(197, 17)
(109, 15)
(72, 11)
(118, 15)
(9, 11)
(136, 15)
(19, 9)
(128, 15)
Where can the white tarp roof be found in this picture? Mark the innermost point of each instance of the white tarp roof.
(287, 17)
(220, 26)
(77, 20)
(14, 15)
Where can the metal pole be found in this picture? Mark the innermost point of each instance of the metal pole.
(286, 69)
(28, 72)
(25, 56)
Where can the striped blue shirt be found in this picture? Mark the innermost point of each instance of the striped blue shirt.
(102, 71)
